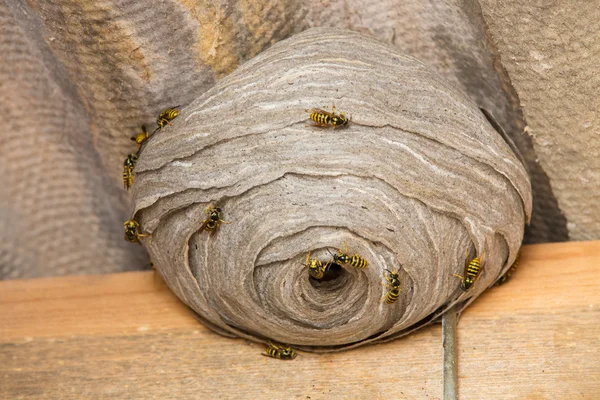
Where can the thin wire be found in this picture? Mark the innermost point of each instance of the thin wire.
(449, 355)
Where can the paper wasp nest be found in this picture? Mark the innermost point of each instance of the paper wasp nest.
(417, 178)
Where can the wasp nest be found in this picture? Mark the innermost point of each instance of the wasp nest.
(416, 179)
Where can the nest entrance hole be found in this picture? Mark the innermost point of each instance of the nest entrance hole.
(333, 277)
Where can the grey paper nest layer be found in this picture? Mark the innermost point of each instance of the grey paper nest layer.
(416, 179)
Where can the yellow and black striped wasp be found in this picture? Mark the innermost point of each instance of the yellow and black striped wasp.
(280, 351)
(472, 272)
(140, 137)
(167, 116)
(132, 233)
(324, 119)
(213, 219)
(393, 283)
(128, 166)
(343, 258)
(315, 267)
(504, 278)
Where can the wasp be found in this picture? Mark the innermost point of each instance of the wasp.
(131, 231)
(355, 260)
(324, 119)
(128, 166)
(315, 267)
(393, 279)
(167, 116)
(504, 278)
(472, 271)
(280, 351)
(213, 219)
(140, 137)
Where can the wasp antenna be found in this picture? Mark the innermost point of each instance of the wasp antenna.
(385, 269)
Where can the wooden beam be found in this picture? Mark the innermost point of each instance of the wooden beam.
(126, 336)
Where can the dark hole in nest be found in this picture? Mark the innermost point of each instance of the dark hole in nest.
(331, 277)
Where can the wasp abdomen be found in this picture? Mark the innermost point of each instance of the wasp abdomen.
(140, 137)
(392, 295)
(358, 262)
(472, 272)
(320, 118)
(167, 116)
(128, 166)
(393, 284)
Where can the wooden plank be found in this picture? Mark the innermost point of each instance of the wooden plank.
(125, 336)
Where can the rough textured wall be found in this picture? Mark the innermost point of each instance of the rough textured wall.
(78, 79)
(60, 210)
(551, 50)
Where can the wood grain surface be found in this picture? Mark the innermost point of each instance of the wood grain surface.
(125, 336)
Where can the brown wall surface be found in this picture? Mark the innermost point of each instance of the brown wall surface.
(79, 78)
(551, 50)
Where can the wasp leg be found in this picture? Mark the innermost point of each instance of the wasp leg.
(274, 346)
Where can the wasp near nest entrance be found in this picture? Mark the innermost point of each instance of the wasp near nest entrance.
(213, 219)
(128, 166)
(140, 137)
(472, 272)
(167, 116)
(504, 278)
(324, 119)
(280, 351)
(393, 283)
(131, 231)
(344, 258)
(315, 267)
